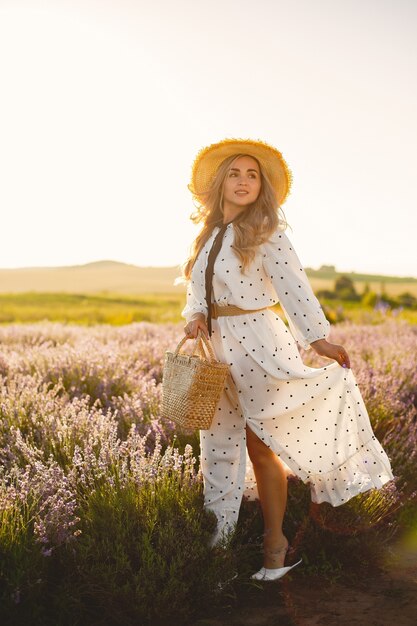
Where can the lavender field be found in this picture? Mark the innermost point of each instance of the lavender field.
(101, 507)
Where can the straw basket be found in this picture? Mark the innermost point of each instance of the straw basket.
(192, 385)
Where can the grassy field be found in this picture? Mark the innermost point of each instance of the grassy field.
(90, 309)
(119, 309)
(389, 287)
(109, 277)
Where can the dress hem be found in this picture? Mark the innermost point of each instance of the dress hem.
(367, 469)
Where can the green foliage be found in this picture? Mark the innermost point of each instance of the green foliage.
(326, 293)
(22, 564)
(139, 552)
(119, 309)
(369, 298)
(345, 289)
(407, 299)
(89, 309)
(142, 558)
(334, 314)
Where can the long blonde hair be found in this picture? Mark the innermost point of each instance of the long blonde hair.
(252, 228)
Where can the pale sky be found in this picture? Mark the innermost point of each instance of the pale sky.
(104, 105)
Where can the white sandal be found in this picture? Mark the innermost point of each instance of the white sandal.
(266, 573)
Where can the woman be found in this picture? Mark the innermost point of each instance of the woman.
(292, 418)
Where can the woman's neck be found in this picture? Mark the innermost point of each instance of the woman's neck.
(231, 214)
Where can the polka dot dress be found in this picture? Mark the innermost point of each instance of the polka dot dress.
(314, 419)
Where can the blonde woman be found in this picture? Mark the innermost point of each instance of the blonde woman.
(276, 415)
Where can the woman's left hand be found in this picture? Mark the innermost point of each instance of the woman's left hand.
(331, 351)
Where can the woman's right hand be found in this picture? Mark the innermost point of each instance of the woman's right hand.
(199, 322)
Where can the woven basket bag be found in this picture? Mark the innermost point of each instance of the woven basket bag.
(192, 385)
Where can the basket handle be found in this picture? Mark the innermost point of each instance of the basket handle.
(199, 340)
(208, 345)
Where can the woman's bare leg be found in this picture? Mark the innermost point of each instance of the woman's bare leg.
(272, 486)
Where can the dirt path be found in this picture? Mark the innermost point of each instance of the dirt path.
(389, 598)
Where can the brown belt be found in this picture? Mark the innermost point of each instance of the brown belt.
(231, 309)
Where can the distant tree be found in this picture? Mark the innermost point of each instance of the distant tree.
(407, 299)
(345, 289)
(328, 268)
(326, 293)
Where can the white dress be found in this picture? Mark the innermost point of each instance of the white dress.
(314, 419)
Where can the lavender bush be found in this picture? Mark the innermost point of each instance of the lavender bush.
(100, 500)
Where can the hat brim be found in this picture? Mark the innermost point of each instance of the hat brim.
(209, 159)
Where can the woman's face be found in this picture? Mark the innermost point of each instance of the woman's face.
(242, 183)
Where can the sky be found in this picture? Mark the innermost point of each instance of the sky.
(105, 104)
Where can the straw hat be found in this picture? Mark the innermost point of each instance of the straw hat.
(208, 160)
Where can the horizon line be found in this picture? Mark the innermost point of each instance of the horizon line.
(169, 267)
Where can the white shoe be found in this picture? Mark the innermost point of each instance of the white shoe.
(273, 574)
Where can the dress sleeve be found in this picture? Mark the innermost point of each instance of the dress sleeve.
(196, 301)
(302, 309)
